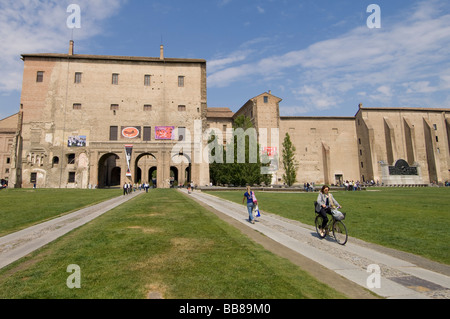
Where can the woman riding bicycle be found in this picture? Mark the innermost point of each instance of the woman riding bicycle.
(326, 202)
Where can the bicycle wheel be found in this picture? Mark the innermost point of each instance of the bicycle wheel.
(340, 232)
(319, 222)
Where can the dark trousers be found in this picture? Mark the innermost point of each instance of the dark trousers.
(323, 213)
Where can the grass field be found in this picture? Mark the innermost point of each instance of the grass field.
(21, 208)
(415, 220)
(158, 242)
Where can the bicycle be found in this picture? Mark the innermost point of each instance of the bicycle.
(336, 225)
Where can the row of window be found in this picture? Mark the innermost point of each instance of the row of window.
(147, 107)
(114, 81)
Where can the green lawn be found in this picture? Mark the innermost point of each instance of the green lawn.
(164, 242)
(415, 220)
(22, 208)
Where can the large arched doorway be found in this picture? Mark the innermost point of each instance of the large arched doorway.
(181, 169)
(109, 171)
(146, 168)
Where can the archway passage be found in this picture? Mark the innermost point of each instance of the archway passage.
(109, 171)
(145, 169)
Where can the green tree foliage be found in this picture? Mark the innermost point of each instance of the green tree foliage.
(241, 163)
(289, 162)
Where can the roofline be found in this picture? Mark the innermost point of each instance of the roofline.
(110, 58)
(414, 109)
(352, 118)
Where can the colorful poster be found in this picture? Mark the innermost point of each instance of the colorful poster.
(164, 132)
(128, 152)
(131, 132)
(270, 151)
(76, 141)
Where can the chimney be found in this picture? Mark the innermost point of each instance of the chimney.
(161, 54)
(71, 47)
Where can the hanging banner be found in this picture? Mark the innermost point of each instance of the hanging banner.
(128, 151)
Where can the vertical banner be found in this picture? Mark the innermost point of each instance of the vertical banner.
(128, 151)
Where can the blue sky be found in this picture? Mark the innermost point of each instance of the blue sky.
(319, 56)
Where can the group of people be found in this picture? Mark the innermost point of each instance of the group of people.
(128, 188)
(325, 201)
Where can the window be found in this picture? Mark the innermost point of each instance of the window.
(147, 79)
(8, 160)
(71, 177)
(147, 107)
(437, 138)
(33, 178)
(55, 161)
(181, 81)
(113, 133)
(77, 106)
(435, 127)
(266, 99)
(78, 77)
(181, 108)
(115, 79)
(114, 107)
(147, 133)
(40, 76)
(362, 164)
(71, 159)
(181, 133)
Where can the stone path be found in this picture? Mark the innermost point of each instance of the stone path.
(20, 244)
(400, 276)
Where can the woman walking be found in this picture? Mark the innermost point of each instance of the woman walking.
(250, 196)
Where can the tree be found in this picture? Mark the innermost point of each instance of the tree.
(289, 163)
(243, 165)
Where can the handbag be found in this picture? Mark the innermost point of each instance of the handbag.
(317, 207)
(257, 213)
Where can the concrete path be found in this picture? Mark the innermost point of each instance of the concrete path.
(401, 277)
(22, 243)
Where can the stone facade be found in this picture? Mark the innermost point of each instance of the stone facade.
(98, 121)
(81, 111)
(8, 128)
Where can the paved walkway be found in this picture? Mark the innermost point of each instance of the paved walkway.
(403, 276)
(22, 243)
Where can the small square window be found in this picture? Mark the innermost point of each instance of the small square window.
(181, 108)
(114, 107)
(115, 79)
(78, 77)
(181, 81)
(147, 107)
(147, 79)
(77, 106)
(71, 159)
(40, 76)
(71, 179)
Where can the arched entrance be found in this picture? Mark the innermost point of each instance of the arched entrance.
(109, 171)
(181, 169)
(146, 168)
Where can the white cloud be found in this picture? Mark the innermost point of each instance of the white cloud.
(406, 55)
(41, 26)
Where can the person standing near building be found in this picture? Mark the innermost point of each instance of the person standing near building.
(249, 195)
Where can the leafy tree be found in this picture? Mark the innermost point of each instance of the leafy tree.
(289, 163)
(242, 166)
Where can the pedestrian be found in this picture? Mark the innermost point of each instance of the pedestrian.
(251, 202)
(125, 186)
